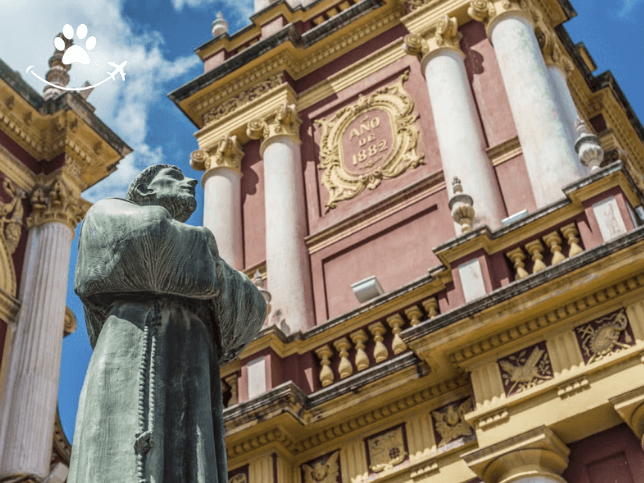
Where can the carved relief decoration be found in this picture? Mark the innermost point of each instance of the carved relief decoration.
(227, 153)
(450, 425)
(239, 475)
(325, 469)
(525, 369)
(604, 336)
(387, 449)
(370, 140)
(54, 200)
(243, 98)
(283, 122)
(11, 226)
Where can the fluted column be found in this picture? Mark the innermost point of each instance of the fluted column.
(549, 156)
(287, 260)
(28, 406)
(458, 129)
(222, 197)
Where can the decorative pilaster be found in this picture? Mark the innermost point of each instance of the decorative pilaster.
(458, 129)
(540, 120)
(33, 365)
(222, 196)
(535, 456)
(287, 258)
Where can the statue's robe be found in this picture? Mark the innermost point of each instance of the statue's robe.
(138, 267)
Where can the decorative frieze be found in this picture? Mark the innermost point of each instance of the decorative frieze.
(243, 98)
(387, 449)
(525, 369)
(573, 387)
(324, 469)
(11, 216)
(604, 336)
(450, 427)
(369, 141)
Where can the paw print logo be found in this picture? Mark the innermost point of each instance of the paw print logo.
(75, 53)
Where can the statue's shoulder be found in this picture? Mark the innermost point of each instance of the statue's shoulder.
(119, 207)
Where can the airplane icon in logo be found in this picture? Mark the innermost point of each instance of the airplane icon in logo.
(118, 69)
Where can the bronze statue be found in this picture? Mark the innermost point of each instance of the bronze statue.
(163, 313)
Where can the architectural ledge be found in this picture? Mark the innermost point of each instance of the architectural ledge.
(630, 407)
(538, 452)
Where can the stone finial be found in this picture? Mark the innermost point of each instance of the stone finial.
(57, 73)
(588, 146)
(219, 26)
(462, 207)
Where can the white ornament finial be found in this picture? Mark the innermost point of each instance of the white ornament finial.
(219, 26)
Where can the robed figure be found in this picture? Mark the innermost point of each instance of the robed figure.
(163, 313)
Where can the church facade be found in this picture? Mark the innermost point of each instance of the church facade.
(443, 204)
(52, 147)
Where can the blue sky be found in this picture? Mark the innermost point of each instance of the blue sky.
(157, 38)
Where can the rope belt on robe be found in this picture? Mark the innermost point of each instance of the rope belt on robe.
(147, 372)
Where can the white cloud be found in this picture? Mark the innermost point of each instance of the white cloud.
(238, 10)
(627, 7)
(28, 29)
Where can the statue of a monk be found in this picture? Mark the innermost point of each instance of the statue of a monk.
(163, 313)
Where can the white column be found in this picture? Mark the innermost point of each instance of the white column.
(28, 407)
(222, 212)
(549, 156)
(564, 99)
(458, 129)
(287, 258)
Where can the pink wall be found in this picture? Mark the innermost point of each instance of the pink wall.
(487, 84)
(252, 199)
(612, 456)
(515, 186)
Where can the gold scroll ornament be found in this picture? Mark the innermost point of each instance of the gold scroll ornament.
(373, 139)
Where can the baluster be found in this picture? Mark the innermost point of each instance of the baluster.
(553, 240)
(571, 234)
(232, 383)
(431, 306)
(517, 257)
(342, 346)
(396, 322)
(414, 314)
(380, 352)
(535, 249)
(326, 374)
(361, 360)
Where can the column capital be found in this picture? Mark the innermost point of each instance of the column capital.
(489, 12)
(444, 35)
(553, 52)
(226, 153)
(284, 121)
(535, 453)
(55, 198)
(630, 407)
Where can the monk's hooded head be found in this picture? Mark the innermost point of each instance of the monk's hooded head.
(165, 185)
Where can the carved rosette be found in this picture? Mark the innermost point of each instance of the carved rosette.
(227, 153)
(450, 427)
(283, 122)
(604, 336)
(387, 449)
(325, 469)
(443, 35)
(56, 200)
(525, 369)
(371, 140)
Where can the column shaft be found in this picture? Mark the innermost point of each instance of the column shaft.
(564, 99)
(222, 212)
(460, 137)
(287, 261)
(550, 158)
(29, 405)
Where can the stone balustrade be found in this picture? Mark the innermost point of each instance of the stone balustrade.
(230, 389)
(377, 342)
(539, 253)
